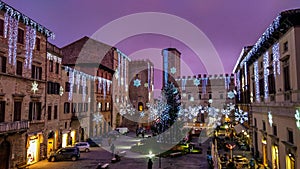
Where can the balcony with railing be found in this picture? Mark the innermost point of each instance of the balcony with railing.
(16, 126)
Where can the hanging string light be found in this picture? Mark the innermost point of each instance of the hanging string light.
(83, 88)
(71, 82)
(256, 80)
(276, 56)
(266, 74)
(6, 22)
(238, 84)
(15, 40)
(204, 84)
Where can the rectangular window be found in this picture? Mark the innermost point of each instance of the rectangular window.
(261, 86)
(271, 81)
(19, 70)
(264, 125)
(285, 46)
(55, 112)
(3, 64)
(255, 122)
(74, 107)
(86, 107)
(49, 87)
(36, 72)
(17, 110)
(274, 130)
(74, 88)
(35, 109)
(49, 112)
(290, 136)
(38, 44)
(80, 89)
(66, 107)
(2, 111)
(286, 76)
(67, 87)
(80, 107)
(21, 36)
(1, 27)
(57, 68)
(50, 66)
(56, 88)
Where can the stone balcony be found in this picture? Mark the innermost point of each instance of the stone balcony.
(16, 126)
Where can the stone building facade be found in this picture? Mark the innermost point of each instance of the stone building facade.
(22, 88)
(268, 78)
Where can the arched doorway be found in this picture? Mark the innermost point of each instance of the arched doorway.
(4, 154)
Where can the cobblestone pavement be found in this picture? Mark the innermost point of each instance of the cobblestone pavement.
(130, 161)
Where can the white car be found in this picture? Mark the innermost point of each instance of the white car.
(83, 146)
(122, 130)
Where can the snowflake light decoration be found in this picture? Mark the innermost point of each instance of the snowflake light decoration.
(98, 118)
(137, 82)
(131, 111)
(124, 108)
(230, 95)
(173, 70)
(270, 117)
(34, 87)
(142, 114)
(241, 116)
(297, 117)
(196, 82)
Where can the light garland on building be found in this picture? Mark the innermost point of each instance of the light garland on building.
(183, 83)
(29, 46)
(15, 40)
(71, 82)
(204, 84)
(266, 74)
(276, 56)
(26, 20)
(6, 21)
(246, 75)
(265, 36)
(227, 82)
(256, 80)
(55, 58)
(83, 88)
(238, 84)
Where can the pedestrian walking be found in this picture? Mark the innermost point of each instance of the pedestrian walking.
(109, 141)
(150, 163)
(112, 148)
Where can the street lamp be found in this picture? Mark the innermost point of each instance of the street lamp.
(230, 147)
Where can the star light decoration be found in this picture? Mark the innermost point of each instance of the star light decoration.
(196, 82)
(241, 116)
(137, 82)
(34, 87)
(173, 70)
(146, 84)
(98, 118)
(61, 91)
(297, 117)
(270, 117)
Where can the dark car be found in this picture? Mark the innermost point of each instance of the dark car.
(67, 153)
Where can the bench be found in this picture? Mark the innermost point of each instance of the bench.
(175, 154)
(22, 165)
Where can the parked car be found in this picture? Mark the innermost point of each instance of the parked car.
(67, 153)
(83, 146)
(122, 130)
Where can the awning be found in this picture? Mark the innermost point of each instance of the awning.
(239, 128)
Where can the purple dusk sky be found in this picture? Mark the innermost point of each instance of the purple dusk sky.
(228, 24)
